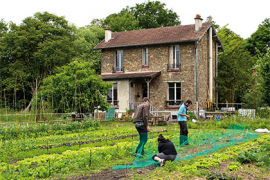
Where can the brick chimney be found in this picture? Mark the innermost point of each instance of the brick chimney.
(108, 34)
(198, 23)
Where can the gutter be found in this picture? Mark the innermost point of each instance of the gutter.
(197, 88)
(172, 42)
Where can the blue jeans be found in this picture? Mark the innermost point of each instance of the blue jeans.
(142, 130)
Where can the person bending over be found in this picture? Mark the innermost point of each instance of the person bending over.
(166, 149)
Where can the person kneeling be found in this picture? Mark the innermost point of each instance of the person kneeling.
(166, 149)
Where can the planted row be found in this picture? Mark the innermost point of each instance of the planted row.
(36, 130)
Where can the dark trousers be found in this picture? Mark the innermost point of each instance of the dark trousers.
(183, 132)
(142, 130)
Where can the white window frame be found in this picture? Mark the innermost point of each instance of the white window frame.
(145, 56)
(113, 94)
(119, 60)
(175, 56)
(175, 94)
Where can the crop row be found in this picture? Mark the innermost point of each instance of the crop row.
(44, 129)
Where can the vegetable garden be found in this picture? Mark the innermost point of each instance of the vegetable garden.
(92, 150)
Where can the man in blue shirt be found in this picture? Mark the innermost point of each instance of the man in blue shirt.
(182, 121)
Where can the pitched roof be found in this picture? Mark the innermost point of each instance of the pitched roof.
(153, 36)
(130, 75)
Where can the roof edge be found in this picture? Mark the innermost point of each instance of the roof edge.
(171, 42)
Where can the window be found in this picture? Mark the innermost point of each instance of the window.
(112, 96)
(174, 94)
(119, 61)
(176, 58)
(145, 56)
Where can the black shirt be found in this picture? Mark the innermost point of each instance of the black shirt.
(166, 147)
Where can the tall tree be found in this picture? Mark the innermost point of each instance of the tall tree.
(37, 46)
(264, 70)
(259, 42)
(75, 87)
(123, 21)
(235, 67)
(86, 39)
(142, 16)
(153, 14)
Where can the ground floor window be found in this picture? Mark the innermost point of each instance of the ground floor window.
(174, 94)
(112, 96)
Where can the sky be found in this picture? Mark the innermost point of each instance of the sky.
(242, 16)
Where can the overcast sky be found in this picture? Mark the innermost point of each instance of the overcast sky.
(243, 16)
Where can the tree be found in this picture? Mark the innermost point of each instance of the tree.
(123, 21)
(86, 39)
(37, 46)
(153, 14)
(75, 87)
(259, 42)
(264, 70)
(142, 16)
(235, 67)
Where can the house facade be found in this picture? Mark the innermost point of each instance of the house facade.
(168, 64)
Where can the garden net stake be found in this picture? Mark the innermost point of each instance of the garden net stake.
(90, 159)
(49, 167)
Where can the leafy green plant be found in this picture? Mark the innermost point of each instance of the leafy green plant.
(221, 176)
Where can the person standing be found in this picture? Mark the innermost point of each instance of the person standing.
(166, 149)
(140, 120)
(182, 121)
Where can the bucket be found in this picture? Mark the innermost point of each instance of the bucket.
(218, 118)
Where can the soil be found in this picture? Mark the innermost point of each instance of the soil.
(109, 174)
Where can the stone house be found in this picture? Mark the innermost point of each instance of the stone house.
(168, 64)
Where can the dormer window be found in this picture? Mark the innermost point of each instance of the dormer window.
(145, 57)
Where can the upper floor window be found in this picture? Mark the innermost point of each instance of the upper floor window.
(174, 94)
(119, 61)
(112, 95)
(145, 56)
(174, 63)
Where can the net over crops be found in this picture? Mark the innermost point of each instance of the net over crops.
(199, 143)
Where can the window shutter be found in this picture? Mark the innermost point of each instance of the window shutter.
(143, 56)
(170, 55)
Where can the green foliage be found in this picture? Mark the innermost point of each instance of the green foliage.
(235, 62)
(86, 38)
(259, 156)
(31, 52)
(75, 87)
(221, 176)
(259, 42)
(253, 97)
(233, 166)
(153, 14)
(122, 21)
(142, 16)
(192, 116)
(20, 131)
(264, 71)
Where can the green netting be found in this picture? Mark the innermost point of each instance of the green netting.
(199, 143)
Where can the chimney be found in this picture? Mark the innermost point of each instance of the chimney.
(198, 23)
(209, 19)
(108, 34)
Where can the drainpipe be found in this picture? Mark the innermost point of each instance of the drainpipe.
(210, 67)
(197, 89)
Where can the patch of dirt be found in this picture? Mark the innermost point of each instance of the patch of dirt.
(246, 171)
(109, 174)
